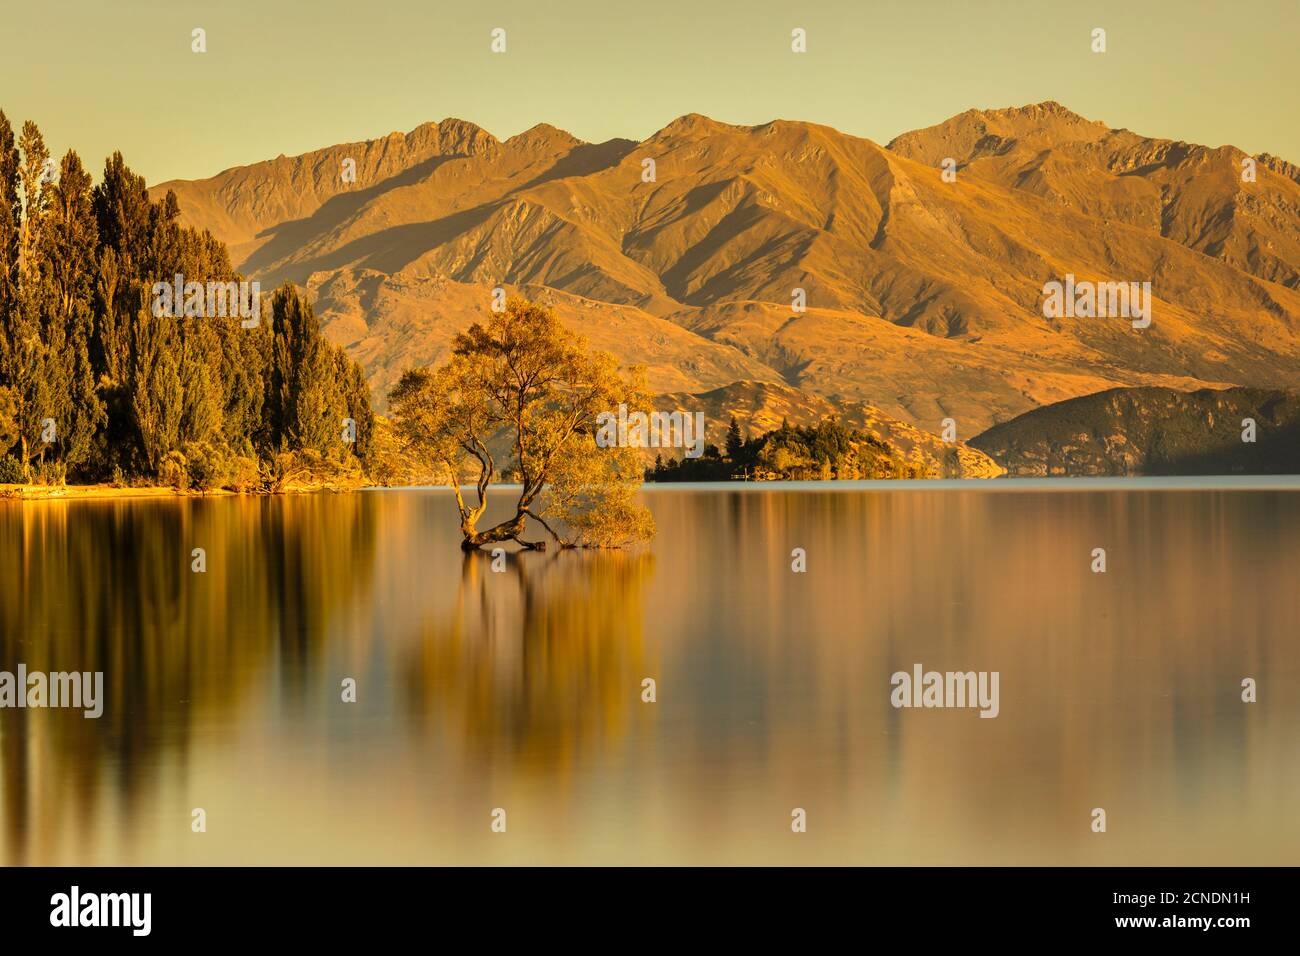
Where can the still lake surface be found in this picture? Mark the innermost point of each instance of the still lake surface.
(522, 689)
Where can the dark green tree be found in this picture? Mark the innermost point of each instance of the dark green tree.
(65, 274)
(11, 211)
(154, 385)
(734, 441)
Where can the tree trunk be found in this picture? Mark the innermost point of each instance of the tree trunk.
(509, 530)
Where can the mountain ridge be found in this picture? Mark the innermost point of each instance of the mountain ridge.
(923, 297)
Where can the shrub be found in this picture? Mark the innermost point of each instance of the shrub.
(11, 471)
(51, 473)
(244, 475)
(174, 471)
(207, 466)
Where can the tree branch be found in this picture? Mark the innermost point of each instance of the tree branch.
(542, 521)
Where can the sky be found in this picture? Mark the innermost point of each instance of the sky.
(289, 76)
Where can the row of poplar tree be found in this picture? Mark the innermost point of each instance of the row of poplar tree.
(95, 387)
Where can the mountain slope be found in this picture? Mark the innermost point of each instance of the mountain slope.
(924, 298)
(391, 323)
(1154, 431)
(1194, 195)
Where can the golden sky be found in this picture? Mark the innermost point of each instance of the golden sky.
(288, 76)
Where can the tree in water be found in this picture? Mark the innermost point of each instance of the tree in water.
(525, 391)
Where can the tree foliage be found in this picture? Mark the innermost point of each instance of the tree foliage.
(95, 386)
(518, 400)
(825, 451)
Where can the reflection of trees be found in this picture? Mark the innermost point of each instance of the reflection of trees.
(94, 586)
(538, 664)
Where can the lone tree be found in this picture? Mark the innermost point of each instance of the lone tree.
(525, 390)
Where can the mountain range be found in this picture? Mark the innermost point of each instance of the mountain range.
(923, 295)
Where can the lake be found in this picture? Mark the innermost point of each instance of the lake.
(521, 690)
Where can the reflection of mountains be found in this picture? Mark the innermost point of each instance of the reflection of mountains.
(108, 587)
(1119, 690)
(535, 664)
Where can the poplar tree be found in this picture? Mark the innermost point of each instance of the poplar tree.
(10, 226)
(66, 254)
(155, 389)
(27, 368)
(122, 213)
(298, 399)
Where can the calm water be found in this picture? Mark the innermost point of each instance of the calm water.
(522, 689)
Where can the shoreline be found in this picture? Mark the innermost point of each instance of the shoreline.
(111, 492)
(77, 492)
(1057, 483)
